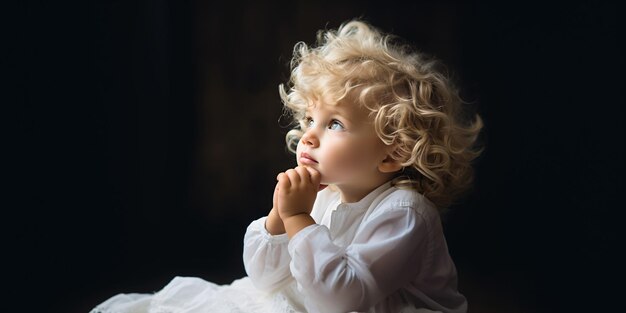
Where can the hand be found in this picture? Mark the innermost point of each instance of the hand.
(296, 191)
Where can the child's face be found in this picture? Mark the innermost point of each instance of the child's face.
(341, 143)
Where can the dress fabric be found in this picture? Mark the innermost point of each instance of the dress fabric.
(384, 253)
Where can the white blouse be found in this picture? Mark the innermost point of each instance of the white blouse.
(385, 253)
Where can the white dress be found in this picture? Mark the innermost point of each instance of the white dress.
(385, 253)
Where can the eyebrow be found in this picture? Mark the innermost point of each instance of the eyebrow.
(333, 111)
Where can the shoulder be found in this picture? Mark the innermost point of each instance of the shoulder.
(407, 200)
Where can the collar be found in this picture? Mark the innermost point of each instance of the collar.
(365, 203)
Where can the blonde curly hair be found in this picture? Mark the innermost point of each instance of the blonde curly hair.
(414, 106)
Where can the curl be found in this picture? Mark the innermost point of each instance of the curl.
(414, 106)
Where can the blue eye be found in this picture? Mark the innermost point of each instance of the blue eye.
(336, 125)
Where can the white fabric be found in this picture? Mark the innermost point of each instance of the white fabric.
(385, 253)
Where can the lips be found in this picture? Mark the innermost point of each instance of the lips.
(305, 158)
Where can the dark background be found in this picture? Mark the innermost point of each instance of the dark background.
(144, 136)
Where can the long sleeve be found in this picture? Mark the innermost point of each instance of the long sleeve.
(386, 254)
(266, 257)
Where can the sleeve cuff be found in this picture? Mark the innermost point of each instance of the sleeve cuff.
(302, 235)
(259, 225)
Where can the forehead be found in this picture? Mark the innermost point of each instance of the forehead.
(347, 109)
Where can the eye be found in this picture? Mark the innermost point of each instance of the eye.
(336, 125)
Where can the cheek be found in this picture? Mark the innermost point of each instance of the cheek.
(351, 157)
(298, 148)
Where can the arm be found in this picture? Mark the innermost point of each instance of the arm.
(384, 256)
(274, 224)
(265, 255)
(266, 258)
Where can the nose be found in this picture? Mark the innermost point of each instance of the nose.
(309, 138)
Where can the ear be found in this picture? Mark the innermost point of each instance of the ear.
(389, 165)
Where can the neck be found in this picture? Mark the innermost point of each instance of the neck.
(352, 193)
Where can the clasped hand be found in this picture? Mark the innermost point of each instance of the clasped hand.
(296, 191)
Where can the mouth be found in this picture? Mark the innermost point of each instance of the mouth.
(306, 159)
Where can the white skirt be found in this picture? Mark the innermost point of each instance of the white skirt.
(194, 295)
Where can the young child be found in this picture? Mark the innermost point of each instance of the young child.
(381, 127)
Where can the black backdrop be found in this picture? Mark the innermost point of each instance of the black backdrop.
(144, 136)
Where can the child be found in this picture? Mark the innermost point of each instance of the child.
(381, 127)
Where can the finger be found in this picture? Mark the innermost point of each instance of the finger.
(283, 181)
(304, 174)
(316, 177)
(312, 172)
(294, 177)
